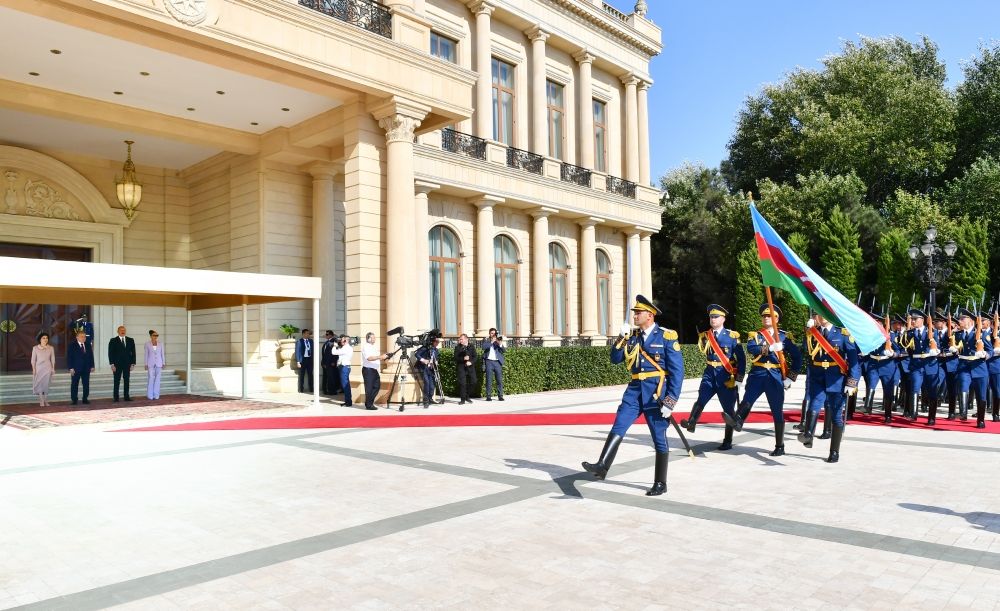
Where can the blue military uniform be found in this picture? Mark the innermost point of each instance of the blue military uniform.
(724, 369)
(902, 362)
(973, 372)
(947, 364)
(430, 355)
(993, 367)
(654, 360)
(923, 366)
(766, 377)
(880, 366)
(828, 382)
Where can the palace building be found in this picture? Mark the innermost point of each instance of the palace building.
(438, 163)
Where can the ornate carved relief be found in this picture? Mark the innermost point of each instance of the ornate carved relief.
(188, 12)
(399, 128)
(10, 195)
(40, 198)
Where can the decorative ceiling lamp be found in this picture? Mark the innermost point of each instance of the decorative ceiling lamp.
(129, 189)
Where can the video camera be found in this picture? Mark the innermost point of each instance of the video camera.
(413, 341)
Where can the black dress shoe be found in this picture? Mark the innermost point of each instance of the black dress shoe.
(128, 398)
(778, 451)
(489, 399)
(462, 402)
(657, 489)
(980, 424)
(114, 400)
(72, 403)
(726, 445)
(834, 457)
(372, 407)
(86, 402)
(500, 398)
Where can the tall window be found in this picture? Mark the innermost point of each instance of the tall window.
(603, 293)
(503, 102)
(444, 47)
(557, 113)
(600, 136)
(446, 280)
(558, 272)
(505, 257)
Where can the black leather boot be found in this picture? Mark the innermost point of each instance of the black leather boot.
(727, 440)
(779, 439)
(888, 400)
(827, 420)
(869, 404)
(932, 407)
(951, 405)
(805, 436)
(963, 406)
(660, 476)
(852, 404)
(600, 468)
(980, 413)
(741, 414)
(835, 439)
(996, 409)
(911, 406)
(802, 415)
(692, 421)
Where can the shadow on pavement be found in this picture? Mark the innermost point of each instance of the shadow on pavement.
(981, 520)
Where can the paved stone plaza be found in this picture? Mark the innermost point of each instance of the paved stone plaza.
(494, 517)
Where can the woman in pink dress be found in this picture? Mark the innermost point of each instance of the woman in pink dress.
(154, 365)
(43, 363)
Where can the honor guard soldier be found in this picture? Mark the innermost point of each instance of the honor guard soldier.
(725, 366)
(653, 356)
(993, 363)
(882, 367)
(973, 350)
(947, 361)
(922, 348)
(833, 373)
(900, 324)
(766, 377)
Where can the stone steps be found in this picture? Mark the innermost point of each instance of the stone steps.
(16, 388)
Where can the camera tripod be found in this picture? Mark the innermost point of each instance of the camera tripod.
(400, 376)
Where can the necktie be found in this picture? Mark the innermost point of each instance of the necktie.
(123, 341)
(82, 348)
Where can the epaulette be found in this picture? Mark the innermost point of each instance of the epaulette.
(669, 334)
(734, 334)
(845, 331)
(752, 335)
(790, 337)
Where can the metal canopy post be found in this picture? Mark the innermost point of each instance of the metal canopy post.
(244, 350)
(316, 357)
(187, 377)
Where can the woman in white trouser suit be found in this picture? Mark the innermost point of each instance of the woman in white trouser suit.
(154, 365)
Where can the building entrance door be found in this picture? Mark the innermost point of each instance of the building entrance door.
(20, 323)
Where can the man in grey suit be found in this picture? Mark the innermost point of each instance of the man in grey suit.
(493, 349)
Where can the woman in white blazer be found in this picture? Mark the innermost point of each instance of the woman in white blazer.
(154, 365)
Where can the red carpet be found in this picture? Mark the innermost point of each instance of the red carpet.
(541, 419)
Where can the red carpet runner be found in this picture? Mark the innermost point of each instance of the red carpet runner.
(540, 419)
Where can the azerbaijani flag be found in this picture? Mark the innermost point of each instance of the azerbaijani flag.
(781, 268)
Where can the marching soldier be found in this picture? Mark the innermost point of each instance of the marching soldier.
(767, 377)
(922, 347)
(725, 366)
(882, 368)
(653, 356)
(993, 363)
(833, 375)
(947, 361)
(973, 350)
(899, 325)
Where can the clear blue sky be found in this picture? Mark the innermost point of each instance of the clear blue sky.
(717, 53)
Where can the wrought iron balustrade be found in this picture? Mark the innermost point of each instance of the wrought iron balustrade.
(621, 186)
(615, 13)
(509, 341)
(366, 14)
(516, 158)
(575, 174)
(463, 144)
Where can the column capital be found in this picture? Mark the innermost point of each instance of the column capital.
(589, 221)
(542, 212)
(399, 117)
(486, 201)
(422, 187)
(584, 56)
(644, 232)
(536, 33)
(479, 7)
(629, 80)
(322, 169)
(644, 85)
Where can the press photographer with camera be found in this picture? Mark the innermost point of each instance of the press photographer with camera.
(370, 360)
(465, 368)
(493, 349)
(344, 353)
(427, 363)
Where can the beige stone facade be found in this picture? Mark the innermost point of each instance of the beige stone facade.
(298, 138)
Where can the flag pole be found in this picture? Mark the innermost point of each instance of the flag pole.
(774, 315)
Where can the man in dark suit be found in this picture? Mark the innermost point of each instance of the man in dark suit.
(493, 349)
(465, 368)
(304, 352)
(121, 355)
(331, 377)
(80, 362)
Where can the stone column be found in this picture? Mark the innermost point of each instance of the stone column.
(399, 118)
(643, 112)
(631, 128)
(633, 264)
(585, 116)
(540, 290)
(485, 264)
(588, 277)
(422, 254)
(323, 259)
(646, 263)
(484, 56)
(539, 110)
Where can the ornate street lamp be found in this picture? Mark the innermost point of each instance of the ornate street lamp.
(129, 189)
(932, 263)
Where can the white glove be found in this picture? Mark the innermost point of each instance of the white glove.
(810, 323)
(888, 353)
(776, 347)
(953, 349)
(933, 352)
(625, 329)
(739, 388)
(982, 354)
(786, 383)
(849, 390)
(665, 411)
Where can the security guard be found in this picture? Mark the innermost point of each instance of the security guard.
(725, 366)
(766, 377)
(882, 367)
(947, 361)
(653, 356)
(922, 348)
(973, 350)
(833, 373)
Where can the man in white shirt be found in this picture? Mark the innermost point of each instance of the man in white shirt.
(344, 354)
(370, 361)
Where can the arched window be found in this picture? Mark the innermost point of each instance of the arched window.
(559, 280)
(603, 293)
(505, 258)
(446, 280)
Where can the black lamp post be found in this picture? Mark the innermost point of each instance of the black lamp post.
(932, 263)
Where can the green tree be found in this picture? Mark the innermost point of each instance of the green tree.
(977, 121)
(793, 313)
(749, 291)
(878, 109)
(914, 212)
(971, 272)
(977, 194)
(840, 255)
(895, 270)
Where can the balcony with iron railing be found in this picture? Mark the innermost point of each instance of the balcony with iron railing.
(575, 174)
(366, 14)
(524, 160)
(463, 144)
(625, 188)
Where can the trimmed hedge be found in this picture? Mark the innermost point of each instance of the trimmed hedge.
(532, 369)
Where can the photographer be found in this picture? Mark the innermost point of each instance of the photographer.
(370, 359)
(465, 368)
(427, 362)
(493, 349)
(344, 353)
(331, 377)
